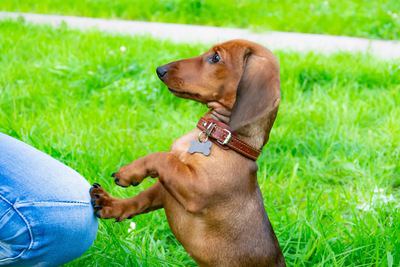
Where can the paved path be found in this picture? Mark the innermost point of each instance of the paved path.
(299, 42)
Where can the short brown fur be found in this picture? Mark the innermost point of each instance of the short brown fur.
(213, 204)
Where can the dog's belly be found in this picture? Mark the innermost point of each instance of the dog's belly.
(224, 236)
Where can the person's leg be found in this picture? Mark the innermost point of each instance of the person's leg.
(45, 214)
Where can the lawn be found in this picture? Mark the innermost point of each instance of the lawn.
(374, 19)
(330, 174)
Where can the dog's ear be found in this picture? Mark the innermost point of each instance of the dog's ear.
(258, 92)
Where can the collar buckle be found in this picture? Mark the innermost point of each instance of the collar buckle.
(227, 138)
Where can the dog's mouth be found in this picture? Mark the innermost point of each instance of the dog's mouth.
(185, 94)
(174, 91)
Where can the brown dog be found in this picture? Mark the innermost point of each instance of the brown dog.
(213, 203)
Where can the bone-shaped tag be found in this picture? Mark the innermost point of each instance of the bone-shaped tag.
(199, 147)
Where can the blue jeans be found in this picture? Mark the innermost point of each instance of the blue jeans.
(45, 214)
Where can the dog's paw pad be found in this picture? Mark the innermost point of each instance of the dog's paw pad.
(118, 182)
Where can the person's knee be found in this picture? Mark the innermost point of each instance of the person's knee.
(45, 214)
(62, 231)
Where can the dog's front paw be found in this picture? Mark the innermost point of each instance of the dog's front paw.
(132, 174)
(105, 206)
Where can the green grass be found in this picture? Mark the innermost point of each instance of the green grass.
(79, 98)
(374, 19)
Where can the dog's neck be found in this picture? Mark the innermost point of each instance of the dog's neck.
(219, 112)
(253, 134)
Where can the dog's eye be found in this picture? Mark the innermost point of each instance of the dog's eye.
(215, 58)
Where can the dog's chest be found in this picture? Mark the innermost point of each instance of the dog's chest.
(181, 146)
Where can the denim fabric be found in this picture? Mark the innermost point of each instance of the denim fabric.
(45, 214)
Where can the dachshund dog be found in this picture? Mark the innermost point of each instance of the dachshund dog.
(212, 199)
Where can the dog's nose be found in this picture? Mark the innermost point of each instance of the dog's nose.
(161, 71)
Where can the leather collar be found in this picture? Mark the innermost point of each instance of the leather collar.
(220, 134)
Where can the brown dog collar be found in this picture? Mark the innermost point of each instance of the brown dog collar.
(220, 134)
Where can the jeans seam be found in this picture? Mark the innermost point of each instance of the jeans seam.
(27, 225)
(52, 203)
(5, 213)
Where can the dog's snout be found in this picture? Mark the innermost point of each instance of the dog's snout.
(162, 71)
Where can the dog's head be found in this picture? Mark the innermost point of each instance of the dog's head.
(241, 76)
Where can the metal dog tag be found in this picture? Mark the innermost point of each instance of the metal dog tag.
(200, 147)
